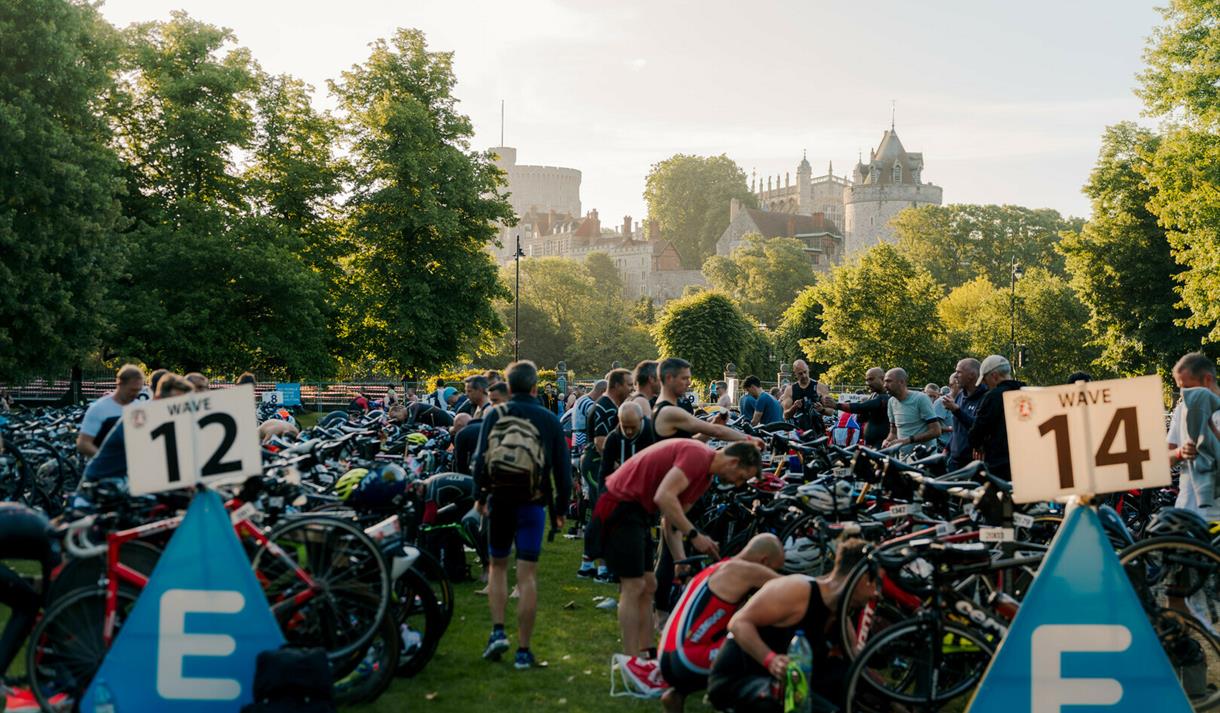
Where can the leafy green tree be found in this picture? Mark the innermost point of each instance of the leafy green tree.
(217, 285)
(422, 211)
(689, 197)
(58, 185)
(879, 310)
(1121, 264)
(604, 273)
(1179, 86)
(802, 320)
(707, 329)
(956, 243)
(762, 275)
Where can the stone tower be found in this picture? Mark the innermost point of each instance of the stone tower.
(891, 181)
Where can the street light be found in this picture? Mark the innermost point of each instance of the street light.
(517, 255)
(1017, 273)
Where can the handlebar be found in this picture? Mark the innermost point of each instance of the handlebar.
(76, 541)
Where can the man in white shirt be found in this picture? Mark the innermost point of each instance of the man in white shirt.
(1192, 371)
(105, 412)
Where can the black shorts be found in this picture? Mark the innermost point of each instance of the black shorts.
(679, 677)
(626, 541)
(511, 523)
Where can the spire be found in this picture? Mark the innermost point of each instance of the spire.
(830, 168)
(893, 111)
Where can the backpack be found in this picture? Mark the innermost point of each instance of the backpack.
(514, 458)
(292, 679)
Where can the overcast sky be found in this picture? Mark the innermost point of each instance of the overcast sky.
(1007, 100)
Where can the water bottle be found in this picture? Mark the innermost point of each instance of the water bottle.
(103, 702)
(796, 679)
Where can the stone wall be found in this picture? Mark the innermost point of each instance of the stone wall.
(868, 210)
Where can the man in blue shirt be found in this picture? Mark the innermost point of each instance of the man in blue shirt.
(759, 406)
(964, 408)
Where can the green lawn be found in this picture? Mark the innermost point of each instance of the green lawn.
(575, 642)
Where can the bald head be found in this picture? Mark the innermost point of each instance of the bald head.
(599, 388)
(764, 549)
(896, 382)
(875, 379)
(630, 418)
(800, 370)
(460, 421)
(967, 372)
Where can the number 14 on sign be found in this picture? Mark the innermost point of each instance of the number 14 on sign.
(1092, 437)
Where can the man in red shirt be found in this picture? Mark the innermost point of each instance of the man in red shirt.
(700, 621)
(667, 478)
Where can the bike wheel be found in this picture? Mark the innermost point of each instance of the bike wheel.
(857, 623)
(420, 623)
(919, 665)
(1176, 573)
(804, 533)
(442, 589)
(369, 672)
(86, 573)
(326, 581)
(67, 646)
(1194, 654)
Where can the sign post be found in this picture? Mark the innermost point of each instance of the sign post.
(1082, 637)
(197, 438)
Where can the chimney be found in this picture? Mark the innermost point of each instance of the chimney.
(734, 208)
(654, 230)
(791, 226)
(627, 226)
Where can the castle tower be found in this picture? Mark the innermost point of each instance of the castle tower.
(804, 182)
(889, 182)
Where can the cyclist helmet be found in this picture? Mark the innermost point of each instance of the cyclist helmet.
(416, 439)
(381, 486)
(803, 556)
(824, 498)
(349, 481)
(1178, 521)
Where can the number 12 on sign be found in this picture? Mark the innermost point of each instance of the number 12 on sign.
(1101, 436)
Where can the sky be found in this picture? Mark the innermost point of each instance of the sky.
(1006, 100)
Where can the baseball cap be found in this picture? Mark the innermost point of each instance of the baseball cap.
(990, 364)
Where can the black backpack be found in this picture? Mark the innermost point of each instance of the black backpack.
(292, 679)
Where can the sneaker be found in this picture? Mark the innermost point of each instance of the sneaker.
(607, 604)
(524, 660)
(605, 576)
(644, 676)
(586, 570)
(497, 644)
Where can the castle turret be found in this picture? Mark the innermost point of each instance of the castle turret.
(891, 181)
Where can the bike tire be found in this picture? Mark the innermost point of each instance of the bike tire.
(66, 647)
(352, 577)
(1193, 567)
(419, 618)
(369, 673)
(434, 576)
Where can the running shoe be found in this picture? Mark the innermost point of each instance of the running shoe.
(644, 676)
(587, 570)
(524, 660)
(497, 644)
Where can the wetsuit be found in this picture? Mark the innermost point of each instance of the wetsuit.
(694, 633)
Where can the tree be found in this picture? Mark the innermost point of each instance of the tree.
(1180, 87)
(879, 311)
(802, 320)
(762, 275)
(218, 286)
(956, 243)
(422, 211)
(1121, 263)
(707, 329)
(58, 185)
(689, 197)
(604, 273)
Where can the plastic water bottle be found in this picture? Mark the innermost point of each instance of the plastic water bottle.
(796, 679)
(103, 702)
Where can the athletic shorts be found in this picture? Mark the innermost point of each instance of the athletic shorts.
(522, 524)
(627, 545)
(679, 676)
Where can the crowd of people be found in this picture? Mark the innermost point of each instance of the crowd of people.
(641, 459)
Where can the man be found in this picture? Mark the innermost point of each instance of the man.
(580, 413)
(647, 385)
(516, 516)
(421, 412)
(873, 412)
(697, 628)
(1196, 490)
(602, 421)
(669, 420)
(493, 377)
(199, 381)
(942, 413)
(497, 393)
(912, 419)
(668, 478)
(111, 459)
(802, 400)
(757, 406)
(964, 408)
(723, 400)
(748, 673)
(989, 433)
(104, 413)
(465, 443)
(476, 396)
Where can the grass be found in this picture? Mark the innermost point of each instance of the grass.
(576, 642)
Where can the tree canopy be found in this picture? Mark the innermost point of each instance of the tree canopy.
(689, 197)
(709, 330)
(762, 275)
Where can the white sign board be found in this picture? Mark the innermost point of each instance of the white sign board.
(272, 397)
(1091, 437)
(178, 442)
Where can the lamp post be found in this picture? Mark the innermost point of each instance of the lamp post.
(517, 255)
(1017, 273)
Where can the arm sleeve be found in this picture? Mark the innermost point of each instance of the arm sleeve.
(927, 413)
(978, 431)
(93, 420)
(477, 469)
(965, 419)
(889, 409)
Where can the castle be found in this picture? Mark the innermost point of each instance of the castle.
(848, 215)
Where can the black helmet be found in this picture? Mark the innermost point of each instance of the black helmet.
(1180, 522)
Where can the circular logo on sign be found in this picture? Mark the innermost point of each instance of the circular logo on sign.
(137, 418)
(1025, 408)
